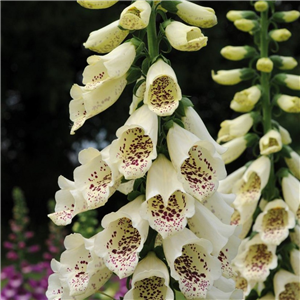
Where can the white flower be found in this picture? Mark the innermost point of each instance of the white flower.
(191, 263)
(80, 273)
(162, 93)
(231, 77)
(138, 96)
(150, 280)
(135, 147)
(226, 185)
(198, 165)
(270, 142)
(237, 53)
(295, 261)
(167, 205)
(234, 15)
(274, 222)
(293, 163)
(289, 80)
(289, 104)
(94, 4)
(295, 235)
(285, 136)
(284, 62)
(185, 38)
(122, 239)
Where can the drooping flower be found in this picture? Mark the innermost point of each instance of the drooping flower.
(286, 16)
(191, 263)
(237, 53)
(293, 163)
(94, 4)
(80, 273)
(274, 222)
(167, 205)
(135, 147)
(234, 15)
(284, 62)
(289, 104)
(150, 280)
(106, 39)
(232, 77)
(280, 35)
(270, 143)
(185, 38)
(264, 64)
(122, 239)
(198, 165)
(288, 80)
(162, 93)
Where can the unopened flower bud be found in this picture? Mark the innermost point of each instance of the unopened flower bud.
(280, 35)
(288, 80)
(261, 6)
(94, 4)
(234, 15)
(289, 104)
(293, 162)
(231, 77)
(264, 64)
(286, 16)
(284, 62)
(246, 25)
(238, 52)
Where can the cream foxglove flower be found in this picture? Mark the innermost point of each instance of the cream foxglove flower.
(106, 39)
(295, 236)
(162, 93)
(261, 6)
(242, 283)
(193, 123)
(185, 38)
(138, 96)
(286, 16)
(135, 16)
(135, 147)
(264, 64)
(274, 222)
(167, 205)
(234, 15)
(150, 280)
(285, 135)
(280, 35)
(289, 104)
(80, 273)
(293, 163)
(191, 263)
(295, 261)
(122, 239)
(286, 285)
(291, 192)
(237, 53)
(255, 259)
(270, 143)
(237, 127)
(245, 100)
(246, 25)
(198, 165)
(246, 223)
(288, 80)
(232, 77)
(97, 4)
(284, 62)
(97, 178)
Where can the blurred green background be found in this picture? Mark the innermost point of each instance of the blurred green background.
(42, 56)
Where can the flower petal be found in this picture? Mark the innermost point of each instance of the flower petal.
(286, 285)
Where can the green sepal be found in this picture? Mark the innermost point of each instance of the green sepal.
(183, 104)
(249, 14)
(169, 124)
(286, 151)
(282, 172)
(137, 85)
(178, 122)
(280, 79)
(251, 139)
(133, 74)
(170, 6)
(133, 195)
(256, 117)
(123, 180)
(253, 234)
(277, 60)
(145, 66)
(247, 73)
(137, 183)
(279, 17)
(166, 23)
(251, 51)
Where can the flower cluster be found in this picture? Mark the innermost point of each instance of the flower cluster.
(267, 196)
(174, 233)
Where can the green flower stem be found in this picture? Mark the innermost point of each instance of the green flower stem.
(152, 35)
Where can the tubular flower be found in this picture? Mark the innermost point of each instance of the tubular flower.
(274, 222)
(270, 142)
(264, 64)
(284, 62)
(280, 35)
(237, 127)
(289, 104)
(80, 273)
(135, 147)
(167, 206)
(245, 100)
(288, 80)
(286, 285)
(255, 259)
(246, 25)
(135, 16)
(97, 178)
(69, 202)
(138, 96)
(191, 263)
(234, 15)
(162, 93)
(237, 53)
(293, 163)
(198, 166)
(150, 280)
(231, 77)
(285, 136)
(295, 261)
(295, 236)
(106, 39)
(122, 239)
(94, 4)
(185, 38)
(286, 16)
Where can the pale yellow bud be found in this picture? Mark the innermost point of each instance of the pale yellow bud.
(96, 4)
(261, 6)
(264, 64)
(236, 53)
(245, 25)
(290, 104)
(285, 136)
(234, 15)
(293, 163)
(280, 35)
(284, 62)
(286, 16)
(270, 142)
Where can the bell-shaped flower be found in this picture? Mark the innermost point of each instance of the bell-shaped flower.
(246, 25)
(274, 222)
(123, 237)
(295, 261)
(261, 6)
(280, 35)
(286, 16)
(97, 178)
(90, 101)
(193, 123)
(245, 100)
(234, 15)
(237, 53)
(270, 142)
(135, 16)
(285, 136)
(289, 104)
(191, 263)
(291, 190)
(204, 224)
(162, 93)
(198, 165)
(286, 285)
(185, 38)
(138, 96)
(69, 202)
(135, 147)
(97, 4)
(288, 80)
(242, 283)
(255, 259)
(295, 235)
(231, 77)
(237, 127)
(264, 64)
(80, 273)
(150, 280)
(284, 62)
(246, 223)
(106, 39)
(167, 205)
(293, 163)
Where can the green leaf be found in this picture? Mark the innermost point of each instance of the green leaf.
(133, 195)
(133, 75)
